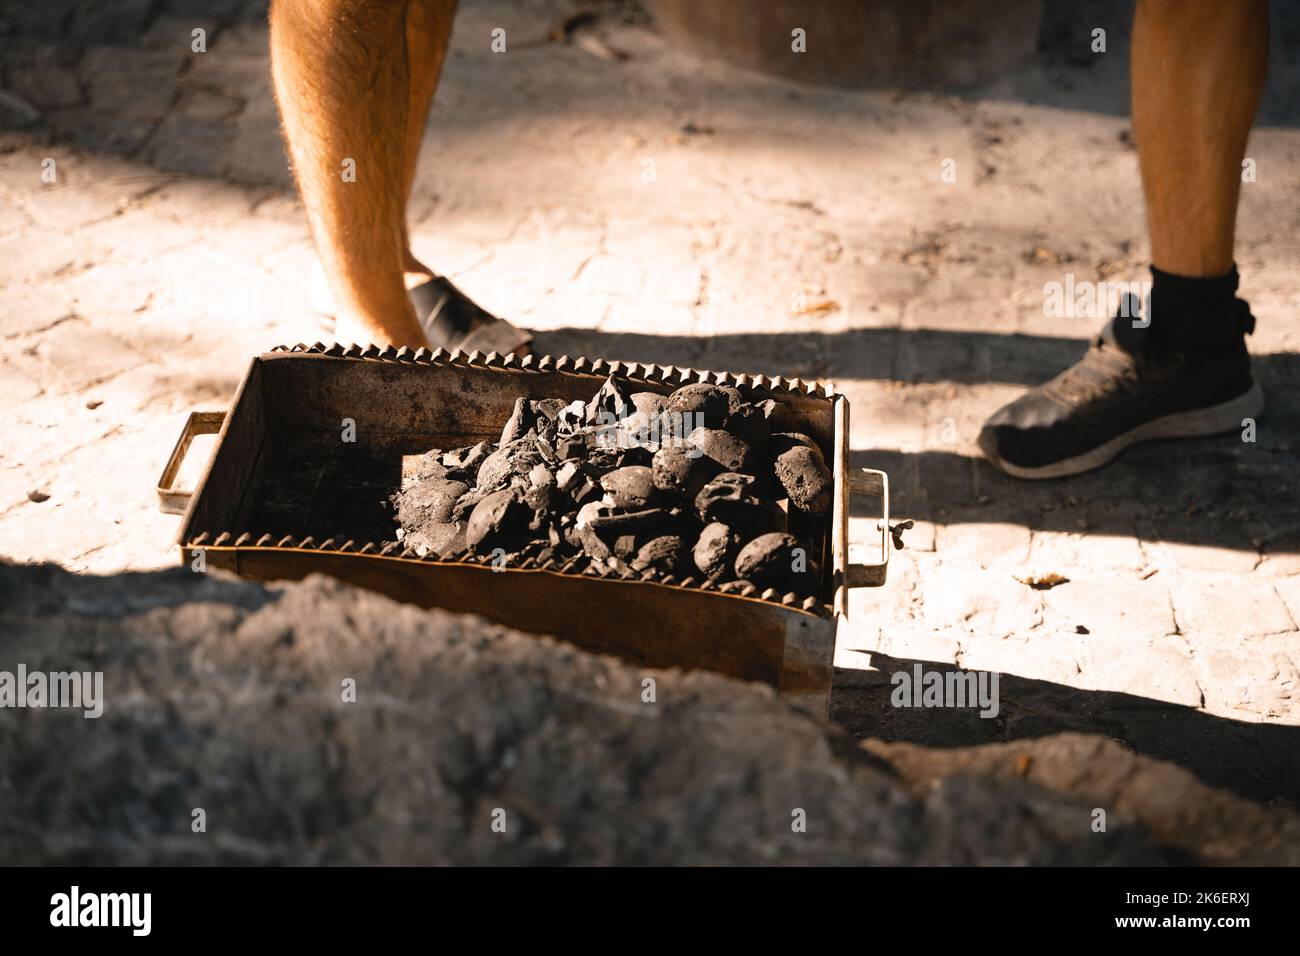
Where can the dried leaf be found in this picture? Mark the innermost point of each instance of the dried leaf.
(1043, 581)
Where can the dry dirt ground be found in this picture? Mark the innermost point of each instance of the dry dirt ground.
(323, 724)
(665, 209)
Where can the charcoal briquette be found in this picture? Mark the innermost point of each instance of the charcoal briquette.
(771, 560)
(802, 472)
(522, 419)
(715, 549)
(498, 521)
(699, 480)
(463, 464)
(516, 458)
(632, 487)
(666, 554)
(707, 405)
(682, 470)
(725, 449)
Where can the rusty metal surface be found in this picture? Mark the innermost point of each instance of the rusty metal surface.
(670, 375)
(296, 393)
(524, 560)
(527, 559)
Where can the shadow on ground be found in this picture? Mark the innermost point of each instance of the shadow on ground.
(227, 694)
(1217, 492)
(49, 40)
(1253, 760)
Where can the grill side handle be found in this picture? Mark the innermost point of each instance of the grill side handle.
(869, 481)
(174, 501)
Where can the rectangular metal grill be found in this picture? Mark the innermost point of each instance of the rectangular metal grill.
(284, 496)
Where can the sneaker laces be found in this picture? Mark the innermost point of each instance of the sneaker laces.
(1102, 371)
(1115, 358)
(1111, 360)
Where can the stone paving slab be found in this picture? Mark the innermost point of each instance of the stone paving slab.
(670, 210)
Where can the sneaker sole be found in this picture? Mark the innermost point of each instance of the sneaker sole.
(1213, 420)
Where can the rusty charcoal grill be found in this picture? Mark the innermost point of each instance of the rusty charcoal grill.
(284, 495)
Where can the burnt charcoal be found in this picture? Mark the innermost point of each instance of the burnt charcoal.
(498, 521)
(590, 512)
(725, 449)
(784, 441)
(573, 480)
(609, 405)
(432, 499)
(586, 441)
(515, 459)
(728, 492)
(682, 470)
(467, 502)
(666, 554)
(547, 408)
(547, 431)
(451, 541)
(601, 460)
(625, 547)
(807, 481)
(542, 494)
(647, 521)
(426, 519)
(520, 423)
(649, 404)
(584, 533)
(574, 446)
(774, 560)
(540, 475)
(615, 563)
(604, 438)
(566, 475)
(637, 435)
(749, 424)
(434, 537)
(599, 526)
(715, 550)
(585, 490)
(631, 487)
(635, 455)
(707, 405)
(730, 499)
(672, 430)
(572, 417)
(778, 416)
(636, 444)
(636, 482)
(734, 398)
(430, 466)
(770, 517)
(641, 428)
(779, 512)
(463, 464)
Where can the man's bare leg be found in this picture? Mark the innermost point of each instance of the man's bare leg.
(1198, 73)
(1183, 370)
(348, 83)
(428, 31)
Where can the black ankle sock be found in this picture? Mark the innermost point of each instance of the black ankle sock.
(1197, 313)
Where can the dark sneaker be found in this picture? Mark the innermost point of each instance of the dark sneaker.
(1125, 389)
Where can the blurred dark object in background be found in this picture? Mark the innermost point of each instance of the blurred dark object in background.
(916, 43)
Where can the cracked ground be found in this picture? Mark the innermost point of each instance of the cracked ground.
(661, 208)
